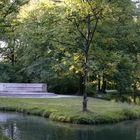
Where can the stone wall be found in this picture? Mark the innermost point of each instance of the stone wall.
(29, 87)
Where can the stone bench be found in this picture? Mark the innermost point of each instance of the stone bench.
(23, 87)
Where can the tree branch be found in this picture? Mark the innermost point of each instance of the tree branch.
(77, 26)
(93, 31)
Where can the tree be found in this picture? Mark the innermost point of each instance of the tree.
(8, 12)
(66, 34)
(69, 39)
(85, 17)
(42, 54)
(124, 76)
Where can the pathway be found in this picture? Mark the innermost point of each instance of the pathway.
(33, 95)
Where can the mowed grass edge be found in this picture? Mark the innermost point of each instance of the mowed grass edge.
(70, 109)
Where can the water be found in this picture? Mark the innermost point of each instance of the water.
(22, 127)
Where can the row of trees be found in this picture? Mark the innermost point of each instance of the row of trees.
(73, 45)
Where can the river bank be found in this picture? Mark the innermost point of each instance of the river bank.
(70, 109)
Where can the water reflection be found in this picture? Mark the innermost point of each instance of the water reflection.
(19, 127)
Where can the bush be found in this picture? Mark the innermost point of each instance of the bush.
(7, 72)
(91, 89)
(64, 85)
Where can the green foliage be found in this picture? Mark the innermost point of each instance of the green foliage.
(7, 73)
(8, 12)
(64, 85)
(124, 76)
(91, 89)
(46, 43)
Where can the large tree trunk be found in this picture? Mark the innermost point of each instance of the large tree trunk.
(80, 92)
(86, 45)
(84, 83)
(84, 95)
(104, 85)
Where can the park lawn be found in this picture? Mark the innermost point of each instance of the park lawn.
(70, 109)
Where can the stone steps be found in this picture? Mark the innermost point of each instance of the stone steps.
(25, 87)
(24, 93)
(37, 90)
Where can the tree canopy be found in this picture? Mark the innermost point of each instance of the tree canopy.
(76, 46)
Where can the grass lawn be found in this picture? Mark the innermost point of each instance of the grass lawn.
(70, 109)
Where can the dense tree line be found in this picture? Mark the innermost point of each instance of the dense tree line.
(75, 46)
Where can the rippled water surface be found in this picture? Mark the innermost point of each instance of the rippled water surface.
(20, 127)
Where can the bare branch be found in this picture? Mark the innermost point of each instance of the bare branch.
(93, 31)
(77, 26)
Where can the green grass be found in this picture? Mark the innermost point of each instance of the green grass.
(70, 109)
